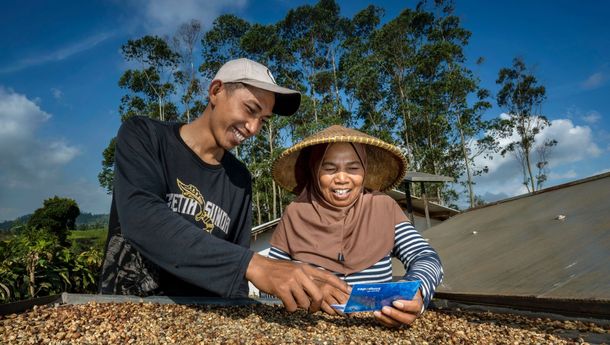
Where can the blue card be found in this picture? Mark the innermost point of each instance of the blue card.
(371, 297)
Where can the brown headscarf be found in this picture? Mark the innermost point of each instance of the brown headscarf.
(341, 239)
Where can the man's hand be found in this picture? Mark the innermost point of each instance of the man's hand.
(403, 312)
(297, 285)
(332, 295)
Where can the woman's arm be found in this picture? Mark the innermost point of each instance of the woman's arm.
(276, 253)
(420, 260)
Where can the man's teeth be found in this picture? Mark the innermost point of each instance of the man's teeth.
(341, 191)
(238, 135)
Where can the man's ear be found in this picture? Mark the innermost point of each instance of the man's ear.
(215, 88)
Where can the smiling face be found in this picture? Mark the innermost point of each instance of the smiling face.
(238, 113)
(341, 175)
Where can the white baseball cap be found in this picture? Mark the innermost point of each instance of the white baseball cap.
(250, 72)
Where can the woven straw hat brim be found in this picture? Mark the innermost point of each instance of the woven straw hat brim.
(386, 165)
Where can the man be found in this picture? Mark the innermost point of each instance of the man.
(181, 210)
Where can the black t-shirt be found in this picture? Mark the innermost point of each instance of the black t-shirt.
(178, 226)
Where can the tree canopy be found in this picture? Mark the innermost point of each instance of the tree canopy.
(404, 79)
(57, 216)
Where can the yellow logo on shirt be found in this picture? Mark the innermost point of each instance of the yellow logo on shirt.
(191, 192)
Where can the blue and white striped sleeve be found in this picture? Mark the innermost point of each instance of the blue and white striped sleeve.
(279, 254)
(420, 259)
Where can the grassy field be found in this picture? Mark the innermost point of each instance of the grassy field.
(87, 239)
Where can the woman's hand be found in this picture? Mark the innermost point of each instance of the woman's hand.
(402, 312)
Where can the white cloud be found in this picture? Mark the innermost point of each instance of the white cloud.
(59, 54)
(29, 164)
(571, 174)
(164, 16)
(601, 172)
(57, 93)
(575, 143)
(505, 177)
(592, 117)
(595, 80)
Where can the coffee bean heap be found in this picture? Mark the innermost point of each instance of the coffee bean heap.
(147, 323)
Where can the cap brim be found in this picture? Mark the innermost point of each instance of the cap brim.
(287, 101)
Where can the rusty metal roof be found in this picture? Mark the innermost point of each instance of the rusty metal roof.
(554, 243)
(415, 176)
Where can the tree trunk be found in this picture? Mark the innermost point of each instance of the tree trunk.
(338, 98)
(529, 168)
(311, 83)
(258, 208)
(406, 116)
(270, 130)
(266, 194)
(161, 115)
(467, 163)
(31, 268)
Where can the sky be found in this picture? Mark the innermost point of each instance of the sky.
(60, 63)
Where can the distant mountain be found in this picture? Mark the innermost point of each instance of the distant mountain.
(8, 224)
(83, 221)
(92, 221)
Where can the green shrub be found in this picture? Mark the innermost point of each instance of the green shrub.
(34, 263)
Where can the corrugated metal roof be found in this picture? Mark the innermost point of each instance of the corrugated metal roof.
(554, 243)
(415, 176)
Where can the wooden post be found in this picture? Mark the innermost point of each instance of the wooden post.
(409, 202)
(425, 200)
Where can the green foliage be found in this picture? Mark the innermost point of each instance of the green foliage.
(34, 263)
(522, 98)
(402, 79)
(84, 240)
(106, 176)
(57, 216)
(88, 221)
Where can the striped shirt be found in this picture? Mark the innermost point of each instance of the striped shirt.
(420, 260)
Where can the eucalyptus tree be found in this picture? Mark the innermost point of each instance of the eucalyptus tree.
(148, 87)
(362, 78)
(106, 176)
(185, 42)
(312, 34)
(441, 54)
(222, 43)
(231, 37)
(151, 83)
(262, 43)
(469, 127)
(395, 47)
(522, 97)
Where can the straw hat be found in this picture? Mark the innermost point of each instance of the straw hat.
(386, 165)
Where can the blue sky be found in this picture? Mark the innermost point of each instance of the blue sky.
(60, 63)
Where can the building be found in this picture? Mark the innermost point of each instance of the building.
(553, 243)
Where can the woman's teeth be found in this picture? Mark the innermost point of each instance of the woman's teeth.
(341, 192)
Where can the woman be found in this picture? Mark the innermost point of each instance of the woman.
(340, 223)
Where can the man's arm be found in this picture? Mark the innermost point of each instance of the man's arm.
(244, 233)
(296, 284)
(164, 237)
